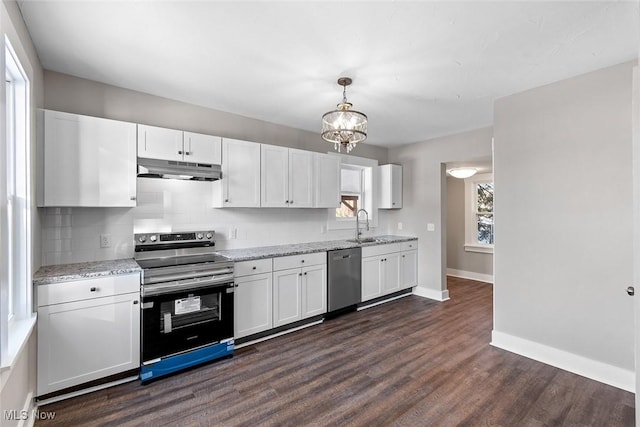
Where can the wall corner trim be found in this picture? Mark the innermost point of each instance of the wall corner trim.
(431, 293)
(589, 368)
(488, 278)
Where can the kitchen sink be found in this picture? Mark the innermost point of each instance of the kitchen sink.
(364, 240)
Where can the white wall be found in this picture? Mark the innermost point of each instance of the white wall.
(563, 182)
(18, 383)
(459, 261)
(72, 234)
(424, 198)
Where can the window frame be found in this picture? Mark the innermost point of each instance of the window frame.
(471, 213)
(17, 318)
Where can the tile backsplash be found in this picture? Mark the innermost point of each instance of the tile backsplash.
(73, 234)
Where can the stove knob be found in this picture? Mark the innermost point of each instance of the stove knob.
(142, 239)
(153, 238)
(199, 236)
(209, 235)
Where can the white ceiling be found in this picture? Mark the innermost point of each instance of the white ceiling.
(420, 69)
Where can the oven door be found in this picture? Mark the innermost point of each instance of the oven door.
(182, 320)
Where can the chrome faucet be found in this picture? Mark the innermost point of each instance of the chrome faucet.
(358, 233)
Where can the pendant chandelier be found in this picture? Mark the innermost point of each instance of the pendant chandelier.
(344, 127)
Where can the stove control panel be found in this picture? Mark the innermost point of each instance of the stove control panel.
(167, 239)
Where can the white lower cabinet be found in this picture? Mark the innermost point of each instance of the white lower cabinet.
(299, 292)
(388, 268)
(87, 330)
(253, 297)
(409, 269)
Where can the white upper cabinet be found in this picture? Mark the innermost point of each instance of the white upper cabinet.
(300, 178)
(326, 181)
(240, 183)
(85, 161)
(274, 176)
(171, 144)
(200, 148)
(286, 177)
(159, 143)
(390, 186)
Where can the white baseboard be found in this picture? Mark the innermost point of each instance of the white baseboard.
(593, 369)
(28, 408)
(470, 275)
(431, 293)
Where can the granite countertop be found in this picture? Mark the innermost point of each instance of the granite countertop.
(247, 254)
(84, 270)
(70, 272)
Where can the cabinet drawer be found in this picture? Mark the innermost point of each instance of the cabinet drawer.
(409, 246)
(381, 249)
(257, 266)
(58, 293)
(294, 261)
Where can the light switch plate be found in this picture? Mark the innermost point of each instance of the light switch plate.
(431, 227)
(399, 226)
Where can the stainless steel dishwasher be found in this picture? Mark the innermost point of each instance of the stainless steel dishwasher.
(345, 272)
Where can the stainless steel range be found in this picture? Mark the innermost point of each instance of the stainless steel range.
(187, 301)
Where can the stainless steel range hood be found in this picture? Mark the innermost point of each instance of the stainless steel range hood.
(171, 169)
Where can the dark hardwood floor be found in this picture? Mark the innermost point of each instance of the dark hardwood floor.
(410, 362)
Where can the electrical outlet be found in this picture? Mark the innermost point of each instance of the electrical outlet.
(431, 227)
(399, 226)
(233, 233)
(105, 240)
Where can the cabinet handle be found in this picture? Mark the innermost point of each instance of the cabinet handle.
(179, 151)
(254, 267)
(291, 202)
(132, 198)
(93, 289)
(286, 201)
(135, 302)
(305, 273)
(402, 256)
(186, 153)
(226, 200)
(302, 261)
(300, 274)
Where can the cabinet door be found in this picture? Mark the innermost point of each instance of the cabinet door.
(240, 173)
(300, 178)
(372, 277)
(200, 148)
(87, 161)
(396, 186)
(286, 296)
(274, 176)
(409, 269)
(391, 282)
(327, 181)
(252, 304)
(390, 186)
(86, 340)
(159, 143)
(314, 290)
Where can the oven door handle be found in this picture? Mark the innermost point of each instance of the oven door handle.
(151, 279)
(221, 281)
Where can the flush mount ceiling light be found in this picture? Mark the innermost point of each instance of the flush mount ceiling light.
(344, 127)
(462, 172)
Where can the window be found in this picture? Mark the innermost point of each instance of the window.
(479, 213)
(15, 215)
(351, 195)
(358, 184)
